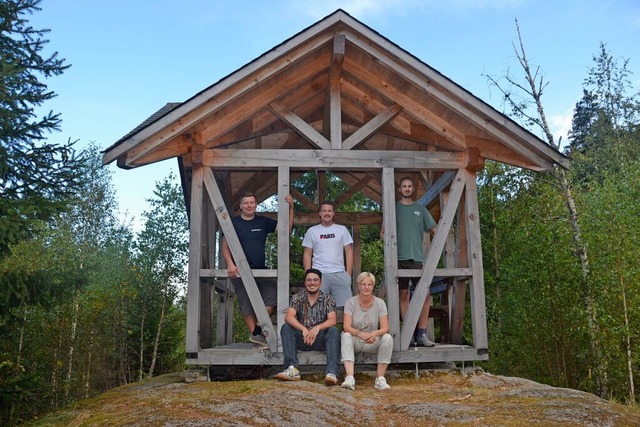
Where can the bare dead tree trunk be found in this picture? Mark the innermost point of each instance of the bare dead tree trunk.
(627, 331)
(141, 367)
(158, 333)
(534, 88)
(72, 338)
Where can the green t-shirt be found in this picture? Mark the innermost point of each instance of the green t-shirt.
(412, 221)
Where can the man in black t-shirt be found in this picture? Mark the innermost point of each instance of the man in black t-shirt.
(252, 231)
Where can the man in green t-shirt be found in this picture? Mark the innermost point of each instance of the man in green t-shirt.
(412, 221)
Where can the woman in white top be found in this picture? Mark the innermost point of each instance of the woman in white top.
(366, 330)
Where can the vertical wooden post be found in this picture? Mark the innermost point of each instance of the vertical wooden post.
(459, 288)
(192, 345)
(209, 227)
(391, 253)
(478, 309)
(283, 250)
(357, 258)
(449, 262)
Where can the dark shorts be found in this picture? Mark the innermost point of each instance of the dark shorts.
(268, 288)
(404, 282)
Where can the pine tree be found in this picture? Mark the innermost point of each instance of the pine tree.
(36, 176)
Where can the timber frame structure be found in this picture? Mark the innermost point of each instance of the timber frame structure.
(335, 97)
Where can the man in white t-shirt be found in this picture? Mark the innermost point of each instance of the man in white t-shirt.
(324, 245)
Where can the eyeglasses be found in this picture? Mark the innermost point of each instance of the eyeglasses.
(312, 280)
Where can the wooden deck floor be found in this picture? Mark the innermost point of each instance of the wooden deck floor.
(248, 354)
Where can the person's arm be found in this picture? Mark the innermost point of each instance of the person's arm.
(306, 258)
(348, 252)
(312, 333)
(289, 200)
(232, 269)
(291, 319)
(347, 326)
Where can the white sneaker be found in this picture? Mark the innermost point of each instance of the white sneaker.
(381, 384)
(289, 374)
(349, 382)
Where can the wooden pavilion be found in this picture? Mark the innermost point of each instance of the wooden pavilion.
(335, 97)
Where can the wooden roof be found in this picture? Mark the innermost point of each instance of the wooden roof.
(337, 85)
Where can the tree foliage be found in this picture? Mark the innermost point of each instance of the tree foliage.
(36, 176)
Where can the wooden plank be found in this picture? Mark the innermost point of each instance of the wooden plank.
(432, 192)
(208, 253)
(357, 259)
(372, 190)
(458, 292)
(192, 344)
(352, 190)
(301, 127)
(371, 127)
(247, 354)
(283, 252)
(433, 257)
(335, 72)
(391, 254)
(225, 119)
(331, 159)
(476, 289)
(411, 106)
(321, 192)
(303, 199)
(224, 218)
(369, 102)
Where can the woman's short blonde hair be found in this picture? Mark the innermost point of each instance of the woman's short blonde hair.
(365, 275)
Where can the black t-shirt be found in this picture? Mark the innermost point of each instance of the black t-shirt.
(253, 236)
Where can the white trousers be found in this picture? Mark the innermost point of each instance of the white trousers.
(351, 345)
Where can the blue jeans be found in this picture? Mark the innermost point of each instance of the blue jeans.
(327, 340)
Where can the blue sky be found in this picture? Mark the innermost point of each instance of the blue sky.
(129, 58)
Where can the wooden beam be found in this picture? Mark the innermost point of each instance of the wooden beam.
(411, 106)
(391, 254)
(331, 159)
(283, 251)
(303, 199)
(352, 190)
(195, 256)
(458, 292)
(358, 94)
(433, 257)
(373, 126)
(224, 120)
(301, 127)
(432, 192)
(478, 308)
(335, 72)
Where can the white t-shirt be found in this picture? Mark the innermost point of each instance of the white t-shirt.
(365, 320)
(327, 244)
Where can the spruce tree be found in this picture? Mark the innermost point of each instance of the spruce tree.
(36, 175)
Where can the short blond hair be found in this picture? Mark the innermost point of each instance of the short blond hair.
(365, 275)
